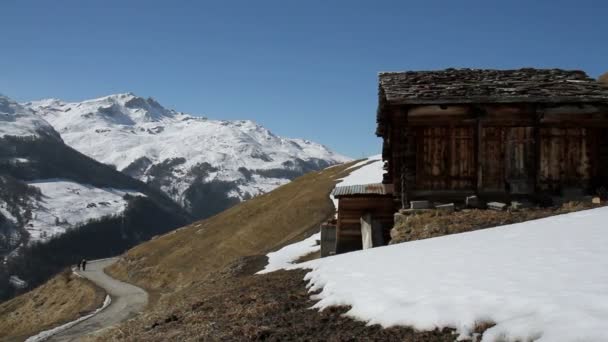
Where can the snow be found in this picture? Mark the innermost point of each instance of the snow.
(542, 280)
(66, 204)
(120, 129)
(367, 171)
(15, 120)
(45, 335)
(289, 254)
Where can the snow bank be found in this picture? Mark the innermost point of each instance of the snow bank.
(369, 171)
(287, 255)
(45, 335)
(543, 280)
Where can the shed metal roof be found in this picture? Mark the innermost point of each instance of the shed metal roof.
(362, 189)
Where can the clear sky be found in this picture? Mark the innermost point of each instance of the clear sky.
(301, 68)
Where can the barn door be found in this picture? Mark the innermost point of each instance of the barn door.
(519, 160)
(507, 159)
(493, 159)
(446, 160)
(564, 158)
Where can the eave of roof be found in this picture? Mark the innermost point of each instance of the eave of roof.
(376, 189)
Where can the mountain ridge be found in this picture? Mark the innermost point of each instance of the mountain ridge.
(58, 205)
(188, 157)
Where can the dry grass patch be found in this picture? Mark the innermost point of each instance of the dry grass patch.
(270, 307)
(62, 299)
(178, 259)
(435, 223)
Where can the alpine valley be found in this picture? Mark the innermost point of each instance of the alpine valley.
(58, 205)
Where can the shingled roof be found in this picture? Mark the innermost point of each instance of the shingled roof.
(457, 86)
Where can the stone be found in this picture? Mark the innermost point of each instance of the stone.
(420, 204)
(596, 200)
(517, 205)
(449, 207)
(472, 202)
(497, 206)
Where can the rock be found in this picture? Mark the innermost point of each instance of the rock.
(420, 204)
(596, 200)
(472, 202)
(497, 206)
(517, 205)
(446, 207)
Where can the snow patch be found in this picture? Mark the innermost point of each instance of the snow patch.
(289, 254)
(66, 204)
(542, 280)
(368, 171)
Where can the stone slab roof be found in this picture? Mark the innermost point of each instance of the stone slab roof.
(457, 86)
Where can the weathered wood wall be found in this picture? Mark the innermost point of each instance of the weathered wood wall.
(350, 211)
(495, 149)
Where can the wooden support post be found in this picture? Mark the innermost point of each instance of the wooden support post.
(366, 231)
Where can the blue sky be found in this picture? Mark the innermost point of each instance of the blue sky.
(301, 68)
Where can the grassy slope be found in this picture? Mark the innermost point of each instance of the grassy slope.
(62, 299)
(260, 225)
(171, 263)
(604, 78)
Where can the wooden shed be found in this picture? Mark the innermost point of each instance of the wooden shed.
(365, 216)
(494, 133)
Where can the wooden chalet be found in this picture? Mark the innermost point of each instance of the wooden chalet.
(494, 133)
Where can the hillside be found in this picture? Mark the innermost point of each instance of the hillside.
(205, 165)
(58, 205)
(62, 299)
(255, 227)
(168, 266)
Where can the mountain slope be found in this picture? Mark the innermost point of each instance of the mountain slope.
(205, 165)
(77, 206)
(169, 266)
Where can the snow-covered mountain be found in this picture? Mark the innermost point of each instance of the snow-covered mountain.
(16, 120)
(205, 165)
(79, 207)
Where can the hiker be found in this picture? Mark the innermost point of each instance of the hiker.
(84, 264)
(80, 265)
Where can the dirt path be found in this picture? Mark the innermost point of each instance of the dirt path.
(127, 301)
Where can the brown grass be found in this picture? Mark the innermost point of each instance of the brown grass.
(62, 299)
(437, 223)
(237, 306)
(178, 259)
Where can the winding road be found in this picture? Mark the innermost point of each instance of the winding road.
(127, 301)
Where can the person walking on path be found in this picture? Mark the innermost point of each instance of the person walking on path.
(83, 263)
